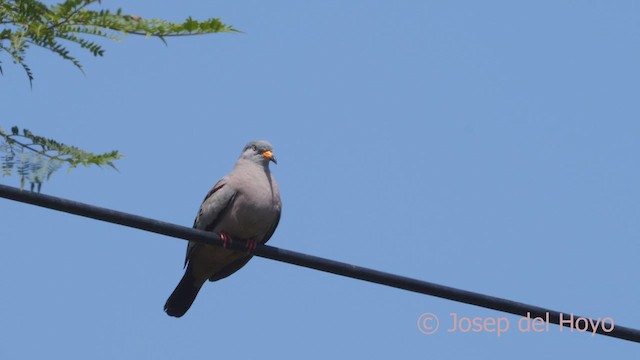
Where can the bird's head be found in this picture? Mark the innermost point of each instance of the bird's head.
(260, 152)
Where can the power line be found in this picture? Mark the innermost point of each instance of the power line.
(322, 264)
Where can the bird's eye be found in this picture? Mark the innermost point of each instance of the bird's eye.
(255, 148)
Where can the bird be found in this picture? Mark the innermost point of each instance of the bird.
(244, 205)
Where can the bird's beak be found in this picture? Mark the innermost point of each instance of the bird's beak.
(269, 155)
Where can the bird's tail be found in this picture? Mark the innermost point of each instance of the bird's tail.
(183, 296)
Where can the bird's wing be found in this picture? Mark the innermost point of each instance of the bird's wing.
(272, 229)
(217, 202)
(277, 206)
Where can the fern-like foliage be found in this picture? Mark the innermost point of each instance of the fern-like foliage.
(35, 158)
(25, 23)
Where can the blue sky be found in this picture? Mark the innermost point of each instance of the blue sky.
(489, 146)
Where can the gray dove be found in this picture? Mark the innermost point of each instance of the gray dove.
(244, 205)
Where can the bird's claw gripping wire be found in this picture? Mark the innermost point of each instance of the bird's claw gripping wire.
(226, 239)
(250, 245)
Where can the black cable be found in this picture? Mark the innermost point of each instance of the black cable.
(318, 263)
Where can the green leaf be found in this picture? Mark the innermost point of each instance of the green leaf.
(30, 22)
(35, 158)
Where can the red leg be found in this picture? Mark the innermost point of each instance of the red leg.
(226, 239)
(251, 245)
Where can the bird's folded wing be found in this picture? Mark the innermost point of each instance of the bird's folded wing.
(215, 205)
(272, 229)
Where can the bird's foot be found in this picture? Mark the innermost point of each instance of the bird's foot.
(251, 245)
(226, 239)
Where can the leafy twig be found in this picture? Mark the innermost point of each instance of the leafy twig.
(37, 165)
(25, 22)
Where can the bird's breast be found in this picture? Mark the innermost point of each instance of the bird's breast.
(254, 211)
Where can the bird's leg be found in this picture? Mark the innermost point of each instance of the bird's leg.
(226, 239)
(251, 245)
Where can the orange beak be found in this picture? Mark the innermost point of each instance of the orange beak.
(269, 155)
